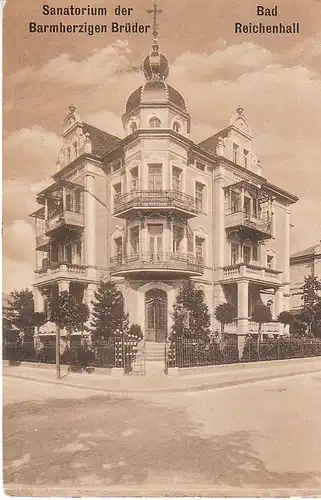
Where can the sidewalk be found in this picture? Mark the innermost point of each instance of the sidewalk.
(218, 377)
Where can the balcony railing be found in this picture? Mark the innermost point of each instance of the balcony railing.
(251, 272)
(165, 261)
(63, 218)
(55, 268)
(42, 240)
(243, 219)
(156, 199)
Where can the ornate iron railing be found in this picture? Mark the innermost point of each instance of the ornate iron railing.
(156, 261)
(156, 199)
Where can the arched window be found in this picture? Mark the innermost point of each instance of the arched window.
(176, 127)
(154, 122)
(133, 127)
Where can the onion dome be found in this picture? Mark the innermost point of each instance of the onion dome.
(155, 65)
(155, 93)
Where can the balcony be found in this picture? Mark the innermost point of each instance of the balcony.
(64, 219)
(271, 328)
(259, 228)
(56, 270)
(252, 273)
(42, 240)
(161, 263)
(126, 204)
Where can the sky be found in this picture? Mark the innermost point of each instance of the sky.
(275, 78)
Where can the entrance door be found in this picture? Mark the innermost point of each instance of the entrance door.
(156, 315)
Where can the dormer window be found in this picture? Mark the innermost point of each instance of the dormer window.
(235, 152)
(176, 127)
(245, 158)
(133, 127)
(154, 122)
(68, 155)
(75, 149)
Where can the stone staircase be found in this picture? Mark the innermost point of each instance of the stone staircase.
(155, 357)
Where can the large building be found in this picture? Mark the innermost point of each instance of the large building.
(303, 264)
(154, 208)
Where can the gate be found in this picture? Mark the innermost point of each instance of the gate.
(134, 361)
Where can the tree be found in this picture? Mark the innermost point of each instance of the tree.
(225, 313)
(261, 315)
(19, 313)
(311, 310)
(286, 318)
(109, 318)
(68, 313)
(190, 313)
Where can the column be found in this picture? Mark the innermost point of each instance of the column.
(242, 313)
(90, 223)
(286, 268)
(46, 209)
(39, 300)
(242, 199)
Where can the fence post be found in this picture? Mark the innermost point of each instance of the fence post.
(278, 348)
(58, 352)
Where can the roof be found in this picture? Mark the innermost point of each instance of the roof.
(211, 142)
(155, 93)
(101, 141)
(307, 252)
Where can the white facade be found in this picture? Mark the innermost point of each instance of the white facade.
(155, 208)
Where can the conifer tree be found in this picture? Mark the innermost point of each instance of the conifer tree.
(190, 313)
(109, 318)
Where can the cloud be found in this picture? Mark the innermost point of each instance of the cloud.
(101, 65)
(107, 121)
(225, 63)
(19, 199)
(30, 153)
(19, 257)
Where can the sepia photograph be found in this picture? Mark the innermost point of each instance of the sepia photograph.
(161, 299)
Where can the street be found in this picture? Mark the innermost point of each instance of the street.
(258, 436)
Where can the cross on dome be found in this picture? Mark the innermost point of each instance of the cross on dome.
(155, 65)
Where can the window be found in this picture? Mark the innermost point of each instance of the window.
(190, 241)
(78, 201)
(68, 202)
(117, 190)
(155, 234)
(235, 153)
(234, 202)
(155, 177)
(247, 205)
(133, 127)
(199, 196)
(134, 239)
(245, 158)
(199, 247)
(53, 252)
(154, 122)
(78, 252)
(68, 155)
(178, 234)
(68, 254)
(176, 127)
(119, 249)
(234, 253)
(269, 261)
(134, 179)
(176, 181)
(246, 254)
(200, 166)
(255, 253)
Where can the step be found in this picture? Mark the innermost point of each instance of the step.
(155, 368)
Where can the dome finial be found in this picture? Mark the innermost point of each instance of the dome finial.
(239, 110)
(155, 65)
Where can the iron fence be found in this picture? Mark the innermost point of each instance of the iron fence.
(115, 352)
(184, 353)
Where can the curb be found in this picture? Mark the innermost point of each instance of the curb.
(196, 388)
